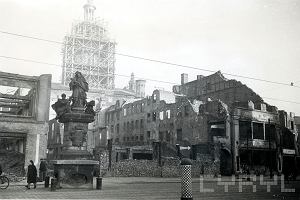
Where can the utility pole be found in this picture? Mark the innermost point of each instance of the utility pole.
(270, 154)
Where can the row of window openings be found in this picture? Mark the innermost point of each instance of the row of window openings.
(131, 139)
(126, 111)
(163, 114)
(254, 130)
(134, 109)
(163, 136)
(128, 126)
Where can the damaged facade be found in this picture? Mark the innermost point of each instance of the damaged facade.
(223, 122)
(24, 113)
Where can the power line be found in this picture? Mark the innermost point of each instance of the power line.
(127, 76)
(146, 59)
(30, 37)
(281, 100)
(56, 65)
(160, 61)
(28, 60)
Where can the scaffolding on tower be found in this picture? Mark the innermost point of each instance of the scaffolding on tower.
(89, 50)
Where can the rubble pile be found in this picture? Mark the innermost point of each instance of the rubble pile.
(135, 168)
(14, 178)
(170, 167)
(205, 165)
(12, 163)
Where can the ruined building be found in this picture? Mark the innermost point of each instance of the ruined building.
(166, 117)
(256, 132)
(223, 121)
(24, 113)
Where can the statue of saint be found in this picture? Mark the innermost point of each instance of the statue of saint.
(79, 86)
(62, 106)
(89, 108)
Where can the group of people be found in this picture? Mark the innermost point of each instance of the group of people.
(32, 173)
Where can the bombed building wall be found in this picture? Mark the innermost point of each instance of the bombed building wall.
(179, 122)
(289, 143)
(254, 142)
(135, 121)
(215, 87)
(24, 113)
(235, 133)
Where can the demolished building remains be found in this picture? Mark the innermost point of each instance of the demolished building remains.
(222, 121)
(24, 114)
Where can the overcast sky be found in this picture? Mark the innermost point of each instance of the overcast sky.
(257, 38)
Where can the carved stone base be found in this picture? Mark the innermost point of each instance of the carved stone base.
(70, 154)
(77, 117)
(74, 173)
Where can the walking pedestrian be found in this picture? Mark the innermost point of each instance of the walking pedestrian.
(31, 175)
(43, 170)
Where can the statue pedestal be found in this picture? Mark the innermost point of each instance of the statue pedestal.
(75, 169)
(75, 135)
(71, 154)
(74, 173)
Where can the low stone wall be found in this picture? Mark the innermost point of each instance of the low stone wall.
(170, 168)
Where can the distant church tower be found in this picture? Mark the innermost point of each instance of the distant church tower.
(138, 86)
(132, 83)
(89, 50)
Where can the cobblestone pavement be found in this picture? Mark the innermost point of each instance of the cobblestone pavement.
(154, 188)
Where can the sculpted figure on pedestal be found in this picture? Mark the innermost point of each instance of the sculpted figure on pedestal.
(89, 108)
(62, 106)
(79, 86)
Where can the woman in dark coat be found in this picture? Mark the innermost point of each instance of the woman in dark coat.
(31, 175)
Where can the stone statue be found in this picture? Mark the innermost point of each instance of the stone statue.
(79, 86)
(89, 108)
(98, 105)
(62, 106)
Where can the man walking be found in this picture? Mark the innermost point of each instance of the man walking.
(31, 175)
(43, 170)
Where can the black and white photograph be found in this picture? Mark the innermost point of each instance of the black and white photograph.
(150, 99)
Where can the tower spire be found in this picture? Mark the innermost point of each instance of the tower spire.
(89, 9)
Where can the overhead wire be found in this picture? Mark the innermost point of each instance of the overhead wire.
(127, 76)
(160, 61)
(146, 59)
(56, 65)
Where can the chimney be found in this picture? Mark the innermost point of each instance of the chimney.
(184, 78)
